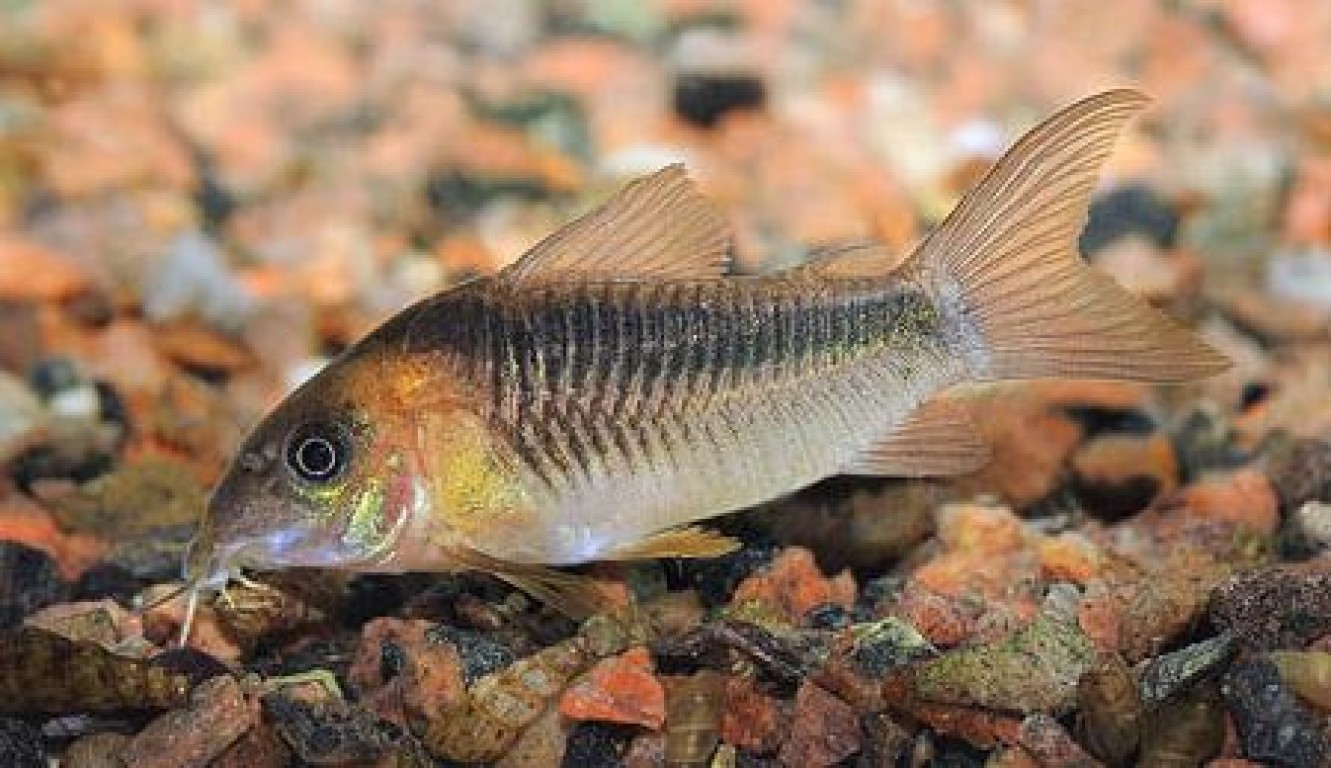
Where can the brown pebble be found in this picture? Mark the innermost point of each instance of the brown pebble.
(98, 750)
(674, 614)
(196, 348)
(260, 747)
(646, 751)
(1052, 746)
(543, 743)
(217, 716)
(825, 729)
(752, 720)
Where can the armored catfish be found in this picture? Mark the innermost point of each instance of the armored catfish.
(616, 385)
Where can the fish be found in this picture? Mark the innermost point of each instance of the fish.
(618, 385)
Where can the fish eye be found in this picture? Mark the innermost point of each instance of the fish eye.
(318, 452)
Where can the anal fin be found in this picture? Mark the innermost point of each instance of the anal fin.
(937, 439)
(687, 541)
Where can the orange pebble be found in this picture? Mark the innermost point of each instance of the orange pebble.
(979, 528)
(794, 585)
(25, 523)
(1068, 557)
(29, 271)
(1244, 497)
(620, 689)
(938, 618)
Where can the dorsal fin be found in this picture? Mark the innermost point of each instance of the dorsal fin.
(658, 227)
(850, 260)
(937, 439)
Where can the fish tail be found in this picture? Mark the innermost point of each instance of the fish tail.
(1005, 265)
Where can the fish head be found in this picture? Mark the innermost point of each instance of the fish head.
(327, 479)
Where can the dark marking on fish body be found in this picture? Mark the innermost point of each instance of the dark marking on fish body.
(575, 370)
(639, 343)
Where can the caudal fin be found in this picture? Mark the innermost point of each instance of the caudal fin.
(1006, 259)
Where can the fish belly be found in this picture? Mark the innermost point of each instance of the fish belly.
(701, 464)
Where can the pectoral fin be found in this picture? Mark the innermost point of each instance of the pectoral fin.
(937, 439)
(688, 541)
(577, 597)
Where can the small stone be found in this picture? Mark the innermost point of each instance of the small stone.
(1307, 673)
(885, 742)
(1245, 497)
(1186, 730)
(647, 750)
(825, 730)
(694, 705)
(674, 614)
(1274, 727)
(1312, 522)
(1137, 616)
(98, 750)
(1011, 757)
(1158, 275)
(479, 653)
(1031, 436)
(717, 578)
(107, 581)
(620, 689)
(217, 716)
(1109, 710)
(1034, 670)
(30, 271)
(983, 728)
(20, 745)
(543, 742)
(1116, 475)
(402, 671)
(102, 622)
(1128, 210)
(1068, 557)
(202, 351)
(593, 744)
(1275, 608)
(753, 720)
(29, 579)
(704, 98)
(260, 747)
(857, 522)
(1051, 744)
(137, 499)
(329, 732)
(1163, 677)
(945, 621)
(793, 585)
(979, 529)
(193, 277)
(1302, 473)
(21, 416)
